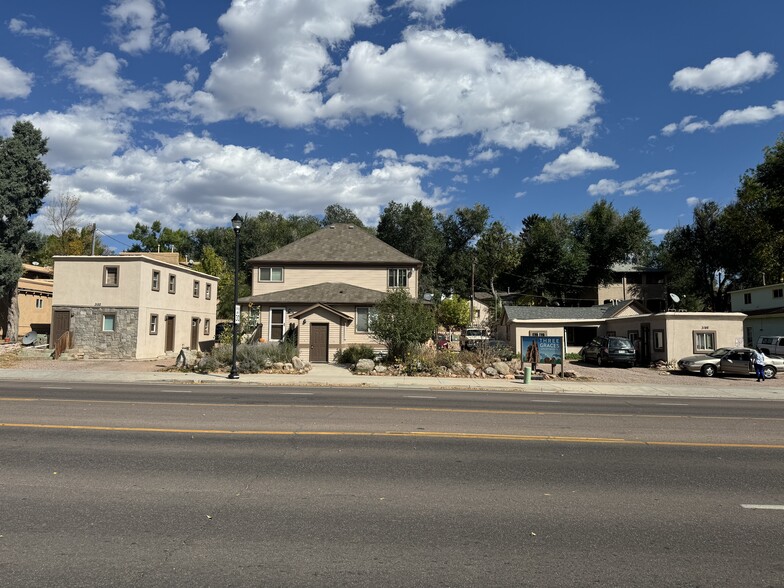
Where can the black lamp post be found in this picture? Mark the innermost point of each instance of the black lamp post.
(236, 224)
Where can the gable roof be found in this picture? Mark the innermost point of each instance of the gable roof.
(324, 293)
(339, 244)
(600, 311)
(310, 309)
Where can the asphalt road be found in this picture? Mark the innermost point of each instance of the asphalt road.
(145, 487)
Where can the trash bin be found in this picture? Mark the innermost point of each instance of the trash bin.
(527, 376)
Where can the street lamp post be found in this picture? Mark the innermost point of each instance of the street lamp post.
(236, 224)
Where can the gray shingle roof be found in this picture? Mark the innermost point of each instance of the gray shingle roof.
(325, 293)
(600, 311)
(341, 244)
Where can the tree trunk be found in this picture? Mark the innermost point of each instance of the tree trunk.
(9, 313)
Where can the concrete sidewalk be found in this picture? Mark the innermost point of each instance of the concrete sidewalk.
(339, 377)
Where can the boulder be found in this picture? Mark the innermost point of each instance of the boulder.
(278, 365)
(297, 363)
(187, 358)
(491, 371)
(470, 370)
(365, 366)
(502, 368)
(380, 369)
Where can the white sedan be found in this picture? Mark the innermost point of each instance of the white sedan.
(729, 361)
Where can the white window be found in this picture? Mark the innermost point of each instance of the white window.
(363, 319)
(398, 278)
(206, 326)
(111, 276)
(208, 291)
(153, 324)
(172, 283)
(108, 322)
(39, 302)
(704, 341)
(658, 339)
(156, 280)
(195, 288)
(276, 323)
(270, 274)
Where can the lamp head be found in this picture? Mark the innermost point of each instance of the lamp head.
(236, 222)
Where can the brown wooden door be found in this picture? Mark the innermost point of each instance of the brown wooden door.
(195, 333)
(61, 323)
(319, 342)
(169, 333)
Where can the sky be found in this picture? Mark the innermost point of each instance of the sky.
(189, 112)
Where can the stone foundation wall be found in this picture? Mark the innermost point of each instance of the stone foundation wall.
(91, 340)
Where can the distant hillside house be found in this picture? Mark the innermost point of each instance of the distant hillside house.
(631, 282)
(133, 305)
(35, 299)
(321, 289)
(764, 307)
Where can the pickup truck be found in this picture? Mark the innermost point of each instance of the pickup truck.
(473, 337)
(771, 345)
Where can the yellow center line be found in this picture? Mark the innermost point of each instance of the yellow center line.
(408, 434)
(392, 408)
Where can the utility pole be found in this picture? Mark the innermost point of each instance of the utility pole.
(92, 248)
(473, 271)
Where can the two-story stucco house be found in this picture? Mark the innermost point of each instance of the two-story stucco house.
(35, 299)
(764, 307)
(321, 289)
(126, 306)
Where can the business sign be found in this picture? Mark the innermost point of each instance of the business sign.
(542, 350)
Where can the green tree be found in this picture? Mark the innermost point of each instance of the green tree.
(400, 322)
(213, 264)
(335, 214)
(412, 230)
(454, 312)
(459, 232)
(159, 238)
(498, 252)
(24, 182)
(608, 237)
(553, 263)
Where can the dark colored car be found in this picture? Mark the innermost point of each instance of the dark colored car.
(609, 351)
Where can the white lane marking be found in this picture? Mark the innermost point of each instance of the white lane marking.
(673, 403)
(764, 506)
(424, 397)
(548, 401)
(56, 388)
(166, 390)
(296, 393)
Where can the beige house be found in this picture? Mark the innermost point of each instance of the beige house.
(666, 336)
(764, 307)
(320, 290)
(135, 305)
(632, 282)
(35, 299)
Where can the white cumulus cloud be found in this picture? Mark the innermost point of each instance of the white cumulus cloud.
(431, 10)
(574, 163)
(447, 84)
(20, 27)
(745, 116)
(190, 41)
(134, 24)
(660, 181)
(725, 72)
(14, 83)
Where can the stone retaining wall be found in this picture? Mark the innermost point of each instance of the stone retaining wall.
(95, 343)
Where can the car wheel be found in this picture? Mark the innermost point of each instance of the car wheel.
(599, 361)
(769, 371)
(708, 370)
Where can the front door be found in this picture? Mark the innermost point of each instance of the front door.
(195, 333)
(645, 344)
(169, 333)
(61, 323)
(319, 343)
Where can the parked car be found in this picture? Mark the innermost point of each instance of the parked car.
(609, 351)
(728, 360)
(472, 337)
(771, 345)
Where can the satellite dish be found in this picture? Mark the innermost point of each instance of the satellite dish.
(427, 296)
(30, 338)
(675, 298)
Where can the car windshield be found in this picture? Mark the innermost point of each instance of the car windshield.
(720, 352)
(620, 344)
(474, 332)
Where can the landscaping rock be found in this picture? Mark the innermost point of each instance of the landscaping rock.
(365, 366)
(278, 365)
(380, 369)
(187, 358)
(491, 371)
(470, 370)
(297, 363)
(502, 368)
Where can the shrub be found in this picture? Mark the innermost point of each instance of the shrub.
(354, 353)
(254, 358)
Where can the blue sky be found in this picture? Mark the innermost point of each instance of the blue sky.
(188, 112)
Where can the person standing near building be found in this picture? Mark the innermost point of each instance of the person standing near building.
(758, 358)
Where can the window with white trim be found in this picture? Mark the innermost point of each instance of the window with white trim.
(111, 276)
(704, 341)
(156, 280)
(362, 324)
(39, 302)
(277, 323)
(109, 322)
(207, 326)
(153, 324)
(270, 274)
(208, 291)
(172, 284)
(658, 339)
(397, 278)
(196, 286)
